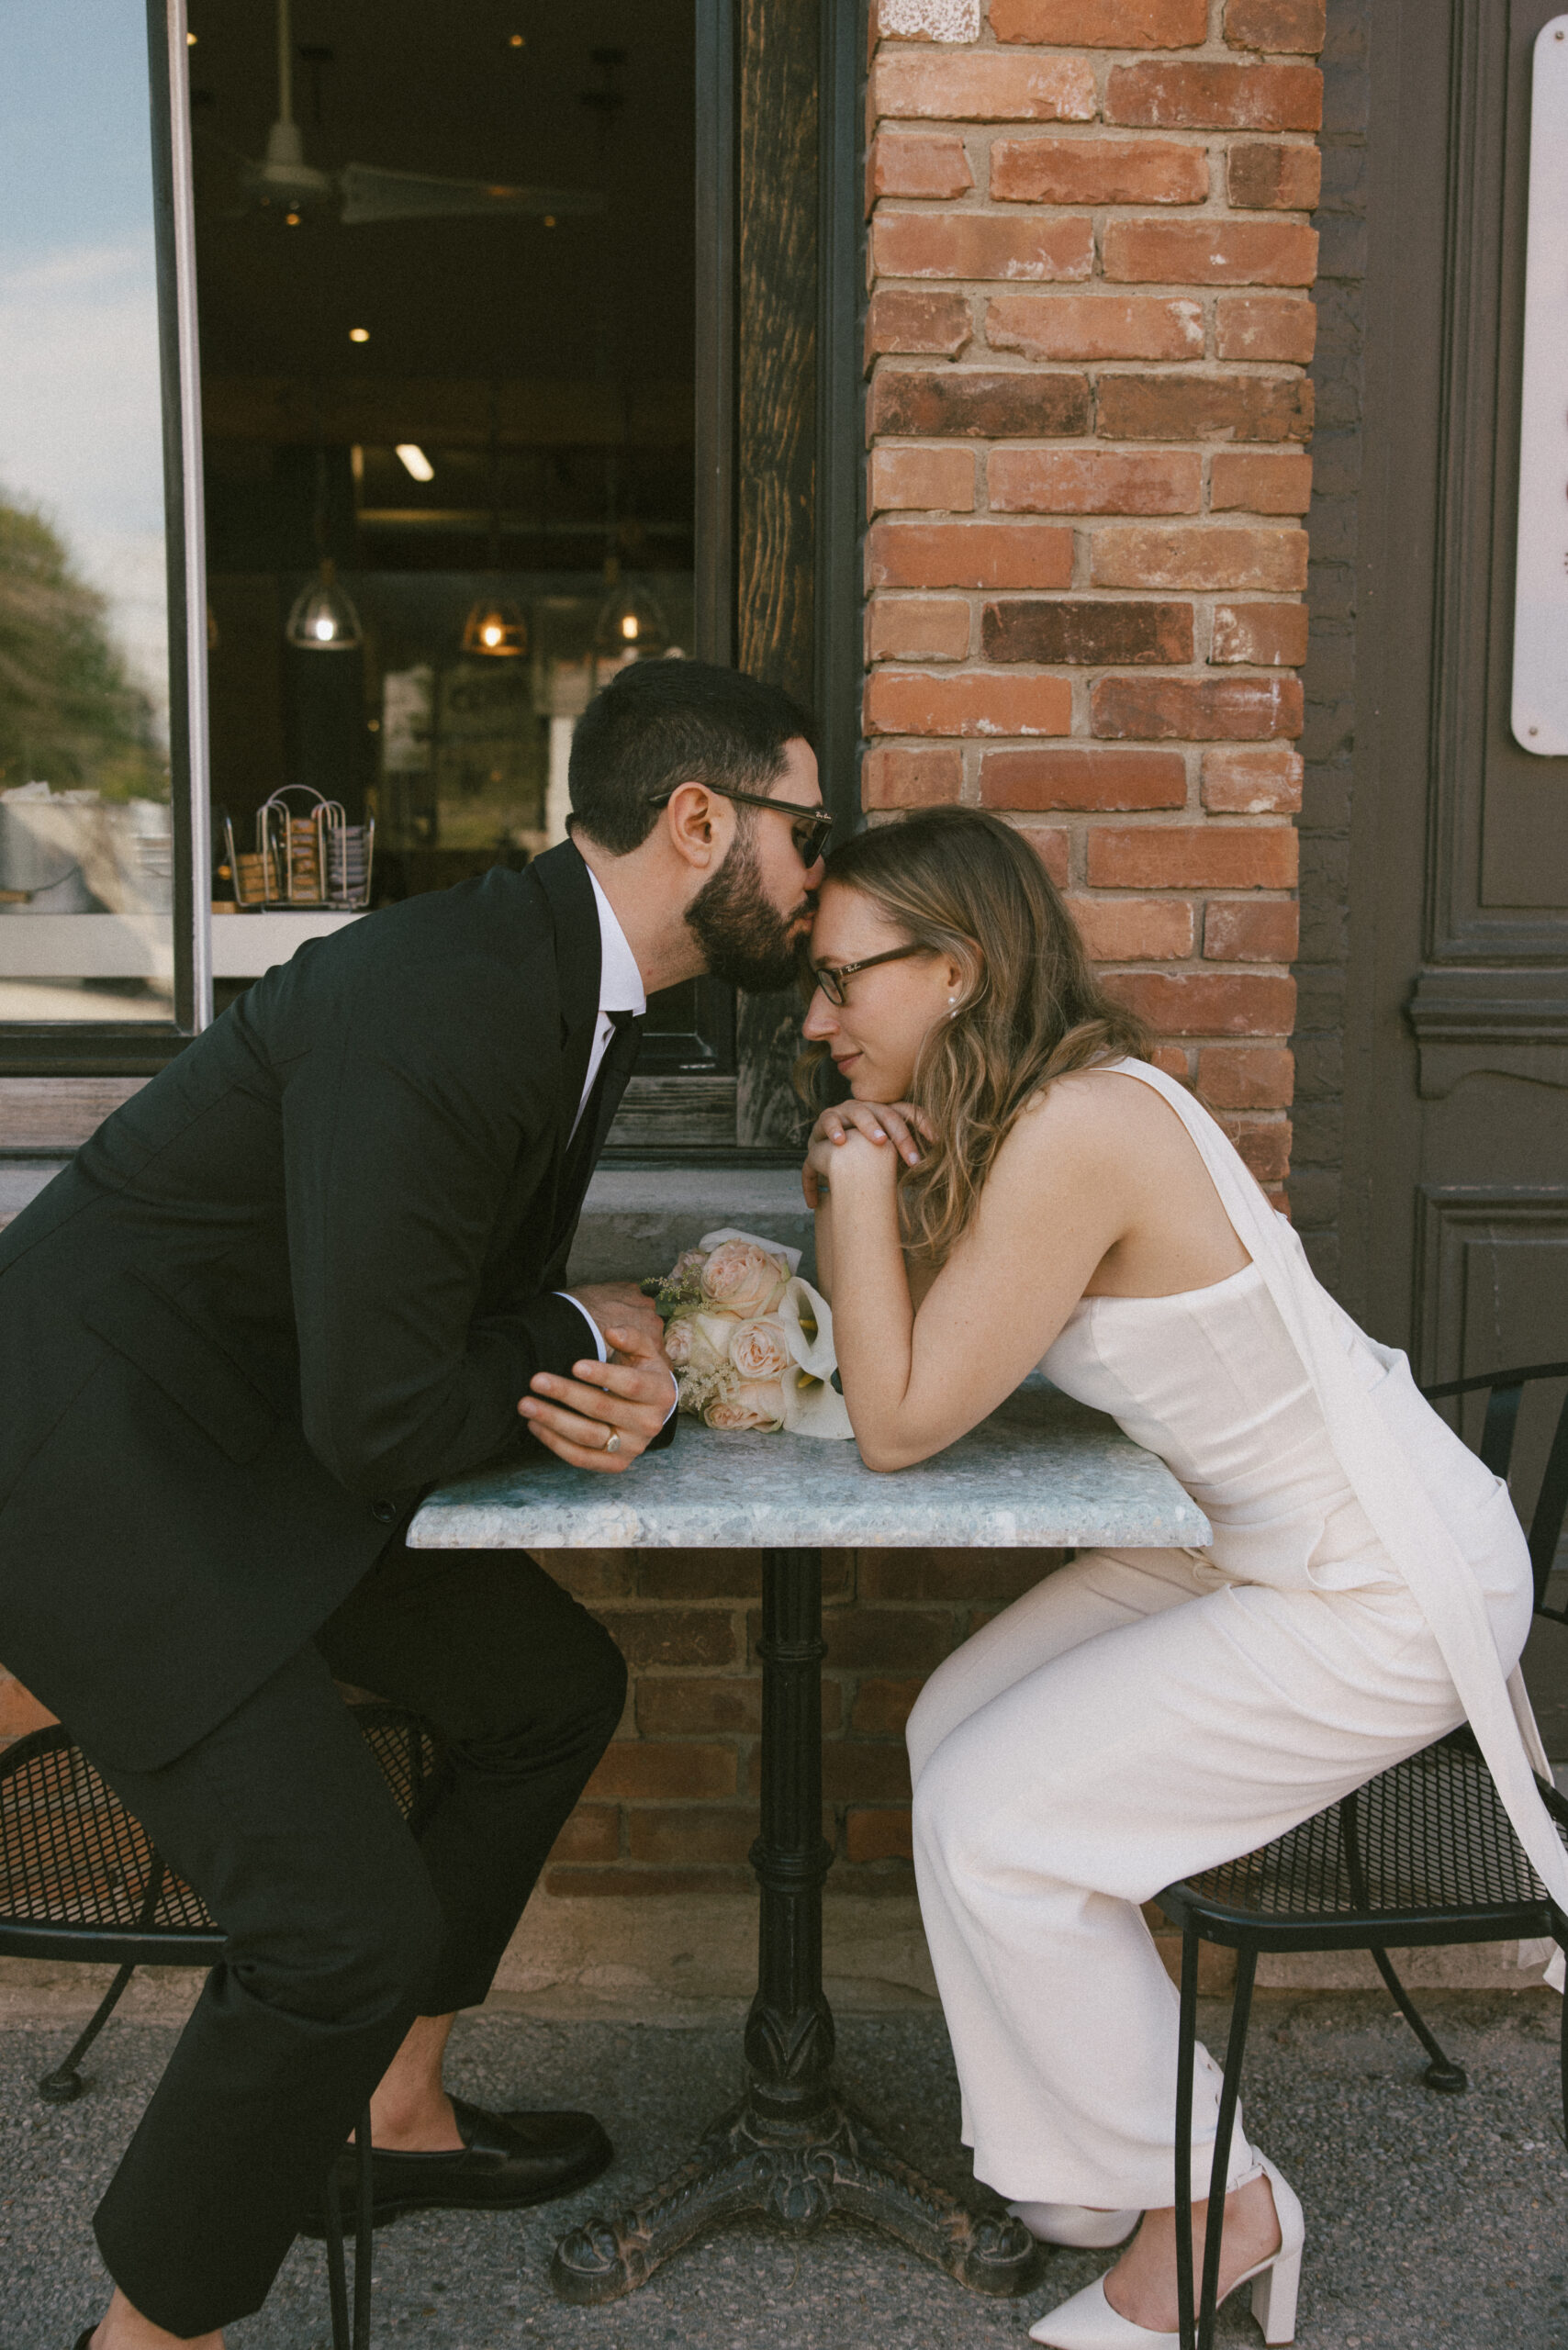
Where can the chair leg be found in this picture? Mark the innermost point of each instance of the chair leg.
(1442, 2073)
(363, 2246)
(1186, 2055)
(337, 2280)
(1560, 1932)
(64, 2083)
(364, 2233)
(1225, 2129)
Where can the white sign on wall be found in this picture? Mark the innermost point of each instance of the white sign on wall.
(1541, 590)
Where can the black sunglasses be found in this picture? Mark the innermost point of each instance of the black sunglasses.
(830, 979)
(810, 827)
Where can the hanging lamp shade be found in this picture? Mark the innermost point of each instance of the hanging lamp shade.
(630, 627)
(323, 619)
(495, 628)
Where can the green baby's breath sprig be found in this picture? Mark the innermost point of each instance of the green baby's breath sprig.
(673, 1294)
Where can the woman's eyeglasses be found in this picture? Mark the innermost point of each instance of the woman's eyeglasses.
(831, 980)
(810, 827)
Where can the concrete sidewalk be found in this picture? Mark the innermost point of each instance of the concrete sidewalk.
(1435, 2224)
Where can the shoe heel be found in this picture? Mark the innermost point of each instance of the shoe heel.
(1274, 2298)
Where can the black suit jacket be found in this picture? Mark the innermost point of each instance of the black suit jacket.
(301, 1275)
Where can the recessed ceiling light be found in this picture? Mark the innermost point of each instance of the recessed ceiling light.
(549, 219)
(190, 41)
(291, 220)
(415, 461)
(517, 40)
(359, 334)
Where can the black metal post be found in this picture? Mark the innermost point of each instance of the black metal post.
(793, 2149)
(788, 2033)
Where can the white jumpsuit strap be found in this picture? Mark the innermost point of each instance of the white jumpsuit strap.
(1409, 1527)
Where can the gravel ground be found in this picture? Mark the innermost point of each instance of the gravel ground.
(1435, 2224)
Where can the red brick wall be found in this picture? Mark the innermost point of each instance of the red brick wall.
(673, 1807)
(1087, 404)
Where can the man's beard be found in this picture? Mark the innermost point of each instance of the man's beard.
(744, 940)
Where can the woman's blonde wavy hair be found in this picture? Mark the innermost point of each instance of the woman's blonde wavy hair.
(965, 885)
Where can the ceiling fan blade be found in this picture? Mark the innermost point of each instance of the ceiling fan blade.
(373, 194)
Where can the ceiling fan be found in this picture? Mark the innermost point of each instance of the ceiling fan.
(367, 192)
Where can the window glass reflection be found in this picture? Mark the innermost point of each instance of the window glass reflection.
(446, 286)
(85, 842)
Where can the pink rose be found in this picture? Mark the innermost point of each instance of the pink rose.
(760, 1350)
(677, 1341)
(742, 1278)
(750, 1404)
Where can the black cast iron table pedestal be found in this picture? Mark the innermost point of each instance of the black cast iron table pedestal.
(791, 2149)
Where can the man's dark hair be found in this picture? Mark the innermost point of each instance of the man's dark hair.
(661, 723)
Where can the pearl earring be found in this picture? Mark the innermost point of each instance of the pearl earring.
(954, 1012)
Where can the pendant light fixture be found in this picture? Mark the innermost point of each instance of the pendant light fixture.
(631, 625)
(495, 628)
(323, 619)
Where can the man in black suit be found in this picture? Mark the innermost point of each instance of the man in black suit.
(312, 1268)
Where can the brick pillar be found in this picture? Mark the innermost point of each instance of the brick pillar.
(1087, 345)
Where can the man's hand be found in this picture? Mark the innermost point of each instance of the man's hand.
(622, 1303)
(628, 1399)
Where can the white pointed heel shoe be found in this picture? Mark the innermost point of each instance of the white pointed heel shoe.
(1076, 2225)
(1088, 2321)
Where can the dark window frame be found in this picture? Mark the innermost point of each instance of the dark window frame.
(140, 1049)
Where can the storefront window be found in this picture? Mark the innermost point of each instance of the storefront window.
(446, 288)
(86, 847)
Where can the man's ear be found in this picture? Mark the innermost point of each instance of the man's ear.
(696, 825)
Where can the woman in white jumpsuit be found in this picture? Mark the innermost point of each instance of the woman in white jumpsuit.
(1009, 1186)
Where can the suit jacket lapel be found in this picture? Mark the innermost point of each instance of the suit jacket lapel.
(574, 911)
(598, 1114)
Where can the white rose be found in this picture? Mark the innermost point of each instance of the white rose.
(751, 1404)
(700, 1342)
(711, 1337)
(760, 1350)
(742, 1278)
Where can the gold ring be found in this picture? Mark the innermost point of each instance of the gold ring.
(612, 1441)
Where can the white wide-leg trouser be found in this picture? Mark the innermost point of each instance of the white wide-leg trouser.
(1135, 1719)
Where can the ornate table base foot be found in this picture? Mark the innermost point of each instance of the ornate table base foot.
(796, 2174)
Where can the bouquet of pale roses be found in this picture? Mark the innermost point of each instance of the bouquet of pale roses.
(751, 1343)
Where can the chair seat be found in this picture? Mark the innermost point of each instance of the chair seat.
(1424, 1852)
(75, 1866)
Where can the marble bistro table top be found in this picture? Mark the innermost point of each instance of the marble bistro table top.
(1041, 1471)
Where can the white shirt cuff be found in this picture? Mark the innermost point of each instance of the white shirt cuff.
(604, 1353)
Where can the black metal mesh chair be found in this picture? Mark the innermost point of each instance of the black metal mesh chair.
(1422, 1854)
(79, 1879)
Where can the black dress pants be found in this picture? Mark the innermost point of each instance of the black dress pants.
(342, 1922)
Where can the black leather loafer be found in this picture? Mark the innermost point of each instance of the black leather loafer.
(509, 2160)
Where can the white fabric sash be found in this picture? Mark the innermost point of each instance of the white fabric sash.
(1384, 1481)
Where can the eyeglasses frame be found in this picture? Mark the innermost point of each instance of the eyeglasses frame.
(830, 978)
(816, 822)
